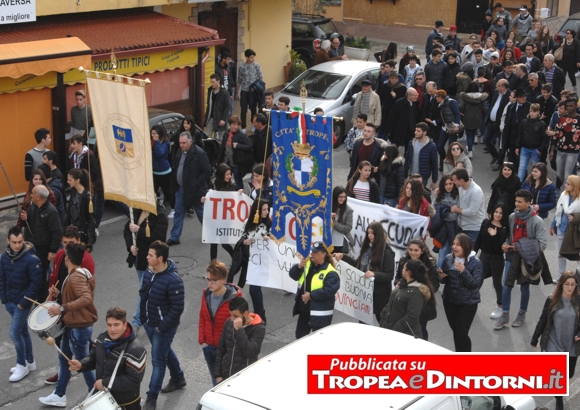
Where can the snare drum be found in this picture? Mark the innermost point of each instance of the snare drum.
(103, 400)
(41, 323)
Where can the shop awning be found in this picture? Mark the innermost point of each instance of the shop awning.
(39, 57)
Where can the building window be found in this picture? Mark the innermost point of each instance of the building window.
(553, 6)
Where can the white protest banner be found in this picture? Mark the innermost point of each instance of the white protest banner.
(269, 264)
(224, 216)
(355, 296)
(400, 226)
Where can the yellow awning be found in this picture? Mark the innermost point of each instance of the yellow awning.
(40, 57)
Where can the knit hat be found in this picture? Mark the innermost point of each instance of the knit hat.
(494, 54)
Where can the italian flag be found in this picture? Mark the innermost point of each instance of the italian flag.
(301, 131)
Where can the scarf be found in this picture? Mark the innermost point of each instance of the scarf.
(564, 206)
(15, 255)
(524, 215)
(77, 159)
(366, 259)
(109, 344)
(364, 101)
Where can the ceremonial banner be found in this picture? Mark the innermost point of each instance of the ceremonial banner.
(224, 216)
(355, 296)
(400, 226)
(122, 127)
(302, 175)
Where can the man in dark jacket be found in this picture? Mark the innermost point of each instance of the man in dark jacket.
(391, 91)
(534, 88)
(162, 303)
(514, 117)
(262, 139)
(450, 74)
(318, 283)
(189, 180)
(404, 115)
(104, 355)
(435, 68)
(240, 342)
(57, 187)
(20, 278)
(368, 148)
(532, 140)
(43, 230)
(530, 60)
(507, 74)
(226, 69)
(218, 109)
(145, 229)
(548, 104)
(421, 156)
(501, 98)
(436, 32)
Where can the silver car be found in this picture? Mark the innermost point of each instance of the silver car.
(332, 86)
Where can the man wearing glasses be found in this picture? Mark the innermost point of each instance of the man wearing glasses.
(162, 303)
(335, 51)
(215, 310)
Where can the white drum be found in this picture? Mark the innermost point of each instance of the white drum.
(103, 400)
(41, 323)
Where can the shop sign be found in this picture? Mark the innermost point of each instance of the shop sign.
(17, 11)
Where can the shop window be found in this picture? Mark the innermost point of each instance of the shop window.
(553, 6)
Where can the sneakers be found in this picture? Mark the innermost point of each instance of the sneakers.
(171, 214)
(174, 384)
(520, 319)
(20, 372)
(504, 320)
(97, 231)
(54, 400)
(52, 379)
(31, 367)
(470, 154)
(150, 403)
(497, 312)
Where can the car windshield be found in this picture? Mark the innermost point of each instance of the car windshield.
(327, 28)
(571, 25)
(319, 84)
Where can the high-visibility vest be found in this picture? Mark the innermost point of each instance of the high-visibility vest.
(317, 282)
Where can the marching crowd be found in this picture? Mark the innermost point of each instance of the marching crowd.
(406, 151)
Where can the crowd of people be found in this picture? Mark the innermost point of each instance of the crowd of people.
(410, 148)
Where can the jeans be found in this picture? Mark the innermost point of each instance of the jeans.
(392, 202)
(244, 103)
(238, 177)
(525, 155)
(443, 252)
(232, 99)
(163, 182)
(460, 318)
(162, 355)
(210, 131)
(214, 248)
(19, 333)
(99, 206)
(470, 136)
(75, 341)
(443, 138)
(137, 315)
(257, 299)
(472, 235)
(506, 295)
(565, 163)
(561, 259)
(492, 265)
(209, 353)
(180, 215)
(490, 138)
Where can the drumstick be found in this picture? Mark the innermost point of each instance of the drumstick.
(55, 285)
(50, 342)
(35, 302)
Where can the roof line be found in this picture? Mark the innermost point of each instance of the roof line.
(138, 51)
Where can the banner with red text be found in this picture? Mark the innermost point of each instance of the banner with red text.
(224, 216)
(476, 374)
(355, 296)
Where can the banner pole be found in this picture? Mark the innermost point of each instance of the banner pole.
(132, 218)
(15, 197)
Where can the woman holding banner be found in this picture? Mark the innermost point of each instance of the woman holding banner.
(377, 260)
(341, 217)
(461, 273)
(252, 231)
(222, 182)
(418, 250)
(409, 299)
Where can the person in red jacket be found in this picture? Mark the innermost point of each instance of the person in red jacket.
(214, 311)
(70, 234)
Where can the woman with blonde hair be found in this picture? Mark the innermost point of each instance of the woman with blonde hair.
(567, 212)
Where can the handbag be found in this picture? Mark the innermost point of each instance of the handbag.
(559, 54)
(451, 131)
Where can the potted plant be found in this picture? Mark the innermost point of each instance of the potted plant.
(357, 47)
(295, 67)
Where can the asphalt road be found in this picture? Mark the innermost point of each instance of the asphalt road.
(117, 286)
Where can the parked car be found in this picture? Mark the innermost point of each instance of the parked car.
(171, 122)
(332, 86)
(308, 31)
(573, 23)
(282, 377)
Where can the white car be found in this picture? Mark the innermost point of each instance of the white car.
(278, 381)
(332, 86)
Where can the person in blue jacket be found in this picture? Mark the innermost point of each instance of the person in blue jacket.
(161, 156)
(543, 190)
(162, 303)
(318, 283)
(20, 278)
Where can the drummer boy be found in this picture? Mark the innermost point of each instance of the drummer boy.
(119, 339)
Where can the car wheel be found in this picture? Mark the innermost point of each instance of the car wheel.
(339, 132)
(306, 60)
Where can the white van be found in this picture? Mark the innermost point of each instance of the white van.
(278, 381)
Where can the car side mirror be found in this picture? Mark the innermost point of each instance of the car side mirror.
(353, 98)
